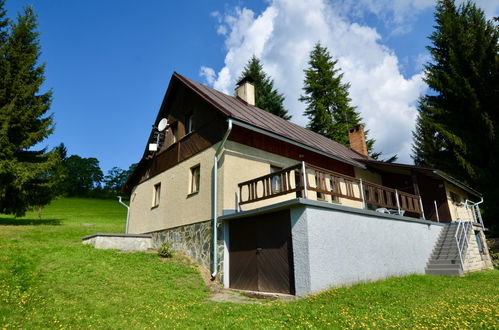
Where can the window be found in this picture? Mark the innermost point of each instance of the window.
(335, 188)
(479, 241)
(276, 180)
(455, 198)
(156, 195)
(174, 132)
(319, 184)
(189, 124)
(195, 177)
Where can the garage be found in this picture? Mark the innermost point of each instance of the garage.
(261, 253)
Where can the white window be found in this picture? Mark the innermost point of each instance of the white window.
(189, 124)
(195, 178)
(156, 195)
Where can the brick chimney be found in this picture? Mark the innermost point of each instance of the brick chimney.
(358, 139)
(245, 90)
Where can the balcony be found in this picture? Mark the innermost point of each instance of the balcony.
(328, 186)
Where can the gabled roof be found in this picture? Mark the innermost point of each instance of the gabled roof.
(236, 108)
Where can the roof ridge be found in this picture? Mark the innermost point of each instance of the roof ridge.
(240, 110)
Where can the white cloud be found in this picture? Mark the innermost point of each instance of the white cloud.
(208, 74)
(401, 14)
(283, 35)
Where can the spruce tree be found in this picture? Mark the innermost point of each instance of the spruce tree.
(266, 96)
(327, 98)
(458, 123)
(25, 173)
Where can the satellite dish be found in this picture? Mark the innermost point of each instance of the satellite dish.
(162, 124)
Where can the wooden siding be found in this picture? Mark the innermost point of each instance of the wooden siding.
(267, 143)
(209, 128)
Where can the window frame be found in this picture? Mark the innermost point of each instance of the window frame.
(189, 123)
(156, 195)
(195, 179)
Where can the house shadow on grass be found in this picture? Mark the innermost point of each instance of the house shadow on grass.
(28, 222)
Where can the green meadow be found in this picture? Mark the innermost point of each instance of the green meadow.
(49, 279)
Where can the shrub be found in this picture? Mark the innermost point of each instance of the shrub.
(165, 250)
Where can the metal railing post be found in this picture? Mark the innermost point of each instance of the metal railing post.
(422, 209)
(361, 187)
(397, 199)
(304, 174)
(436, 210)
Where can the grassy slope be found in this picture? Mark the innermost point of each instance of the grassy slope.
(49, 279)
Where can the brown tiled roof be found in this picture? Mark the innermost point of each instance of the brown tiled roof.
(237, 109)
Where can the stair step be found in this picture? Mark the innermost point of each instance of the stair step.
(444, 266)
(445, 248)
(444, 272)
(444, 262)
(445, 257)
(443, 252)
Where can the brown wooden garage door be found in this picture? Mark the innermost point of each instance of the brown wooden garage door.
(261, 253)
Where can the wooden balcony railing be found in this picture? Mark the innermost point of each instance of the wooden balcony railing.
(325, 182)
(279, 183)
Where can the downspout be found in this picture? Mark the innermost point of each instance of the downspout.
(127, 213)
(215, 195)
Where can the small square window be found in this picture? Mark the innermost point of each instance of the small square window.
(189, 124)
(195, 178)
(455, 198)
(156, 195)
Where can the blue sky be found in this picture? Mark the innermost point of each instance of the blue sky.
(109, 62)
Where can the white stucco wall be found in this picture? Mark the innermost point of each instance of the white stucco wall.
(337, 246)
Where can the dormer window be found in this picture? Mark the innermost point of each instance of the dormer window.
(174, 132)
(189, 124)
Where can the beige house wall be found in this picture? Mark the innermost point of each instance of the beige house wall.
(474, 260)
(457, 210)
(242, 163)
(177, 206)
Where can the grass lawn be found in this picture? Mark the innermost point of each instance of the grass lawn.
(48, 279)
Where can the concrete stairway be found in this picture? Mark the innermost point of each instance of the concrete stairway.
(445, 260)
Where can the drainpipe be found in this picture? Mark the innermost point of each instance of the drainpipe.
(215, 195)
(127, 213)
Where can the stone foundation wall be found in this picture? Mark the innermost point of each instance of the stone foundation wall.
(195, 240)
(474, 260)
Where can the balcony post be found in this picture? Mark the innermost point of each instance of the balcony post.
(361, 187)
(436, 210)
(397, 199)
(238, 201)
(304, 174)
(422, 209)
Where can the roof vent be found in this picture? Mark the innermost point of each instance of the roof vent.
(245, 90)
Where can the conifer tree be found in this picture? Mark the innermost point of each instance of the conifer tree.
(458, 125)
(25, 178)
(266, 96)
(327, 98)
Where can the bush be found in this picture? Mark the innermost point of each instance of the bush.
(165, 250)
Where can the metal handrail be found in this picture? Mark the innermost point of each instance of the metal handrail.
(461, 236)
(475, 209)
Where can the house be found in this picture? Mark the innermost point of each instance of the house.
(268, 205)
